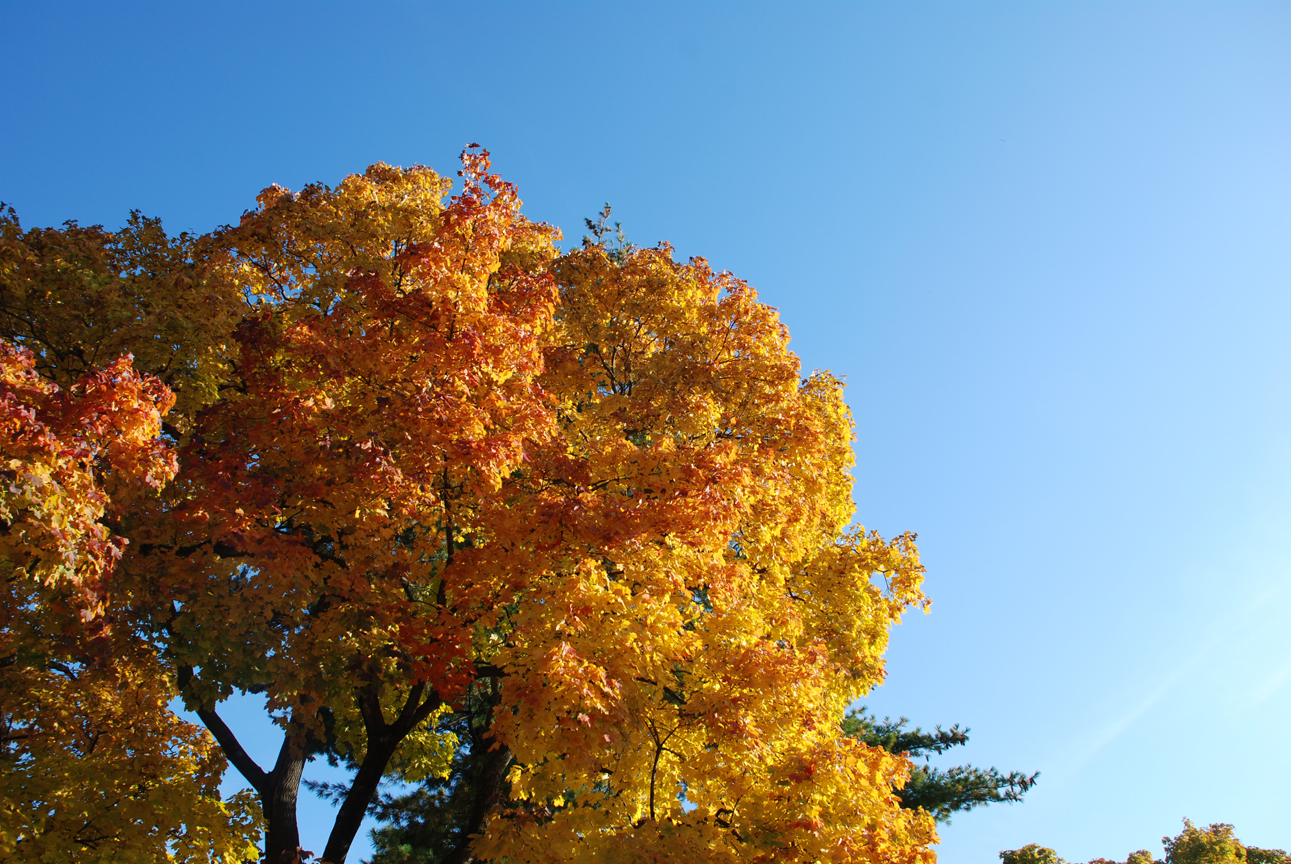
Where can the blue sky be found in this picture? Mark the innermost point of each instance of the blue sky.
(1047, 244)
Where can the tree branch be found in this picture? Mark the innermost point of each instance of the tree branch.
(232, 748)
(224, 550)
(411, 707)
(247, 767)
(370, 709)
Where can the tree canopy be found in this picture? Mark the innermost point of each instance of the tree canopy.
(1214, 844)
(434, 487)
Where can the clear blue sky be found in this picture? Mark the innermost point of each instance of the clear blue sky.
(1048, 245)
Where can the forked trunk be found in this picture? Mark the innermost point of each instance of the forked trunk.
(350, 817)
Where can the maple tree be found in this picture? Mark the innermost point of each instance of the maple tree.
(446, 490)
(427, 824)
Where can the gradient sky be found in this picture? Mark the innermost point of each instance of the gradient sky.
(1047, 244)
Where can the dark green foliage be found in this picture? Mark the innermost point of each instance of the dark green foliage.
(422, 827)
(940, 792)
(895, 738)
(612, 240)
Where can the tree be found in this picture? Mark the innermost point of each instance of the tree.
(1031, 854)
(939, 792)
(421, 825)
(1216, 844)
(383, 389)
(1036, 854)
(95, 767)
(578, 514)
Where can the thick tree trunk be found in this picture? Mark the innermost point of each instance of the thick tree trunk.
(278, 789)
(278, 799)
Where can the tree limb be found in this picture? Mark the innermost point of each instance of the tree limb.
(247, 767)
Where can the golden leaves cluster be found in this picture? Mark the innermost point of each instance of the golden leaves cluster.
(691, 616)
(79, 298)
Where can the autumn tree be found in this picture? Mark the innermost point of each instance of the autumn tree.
(578, 515)
(425, 825)
(1036, 854)
(1032, 853)
(93, 765)
(1215, 844)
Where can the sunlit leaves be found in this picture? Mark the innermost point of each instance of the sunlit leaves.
(78, 298)
(692, 618)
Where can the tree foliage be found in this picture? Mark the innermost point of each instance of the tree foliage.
(941, 792)
(1031, 854)
(78, 298)
(93, 766)
(1215, 844)
(448, 493)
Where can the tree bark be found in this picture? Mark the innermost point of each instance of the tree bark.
(278, 800)
(350, 817)
(278, 789)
